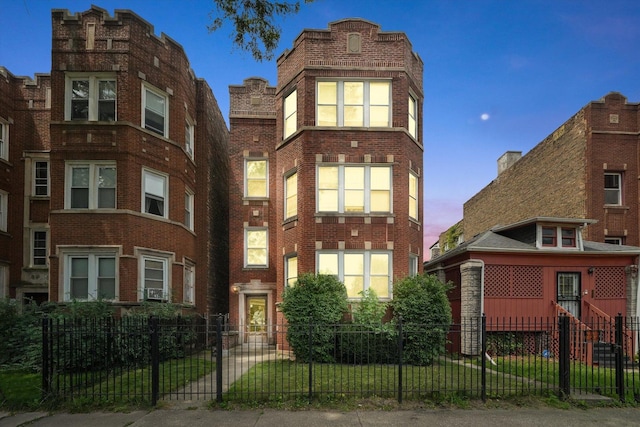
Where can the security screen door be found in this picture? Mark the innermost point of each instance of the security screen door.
(569, 292)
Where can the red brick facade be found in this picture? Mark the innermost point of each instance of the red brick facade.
(351, 50)
(563, 176)
(180, 242)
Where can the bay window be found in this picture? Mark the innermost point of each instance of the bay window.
(364, 103)
(353, 188)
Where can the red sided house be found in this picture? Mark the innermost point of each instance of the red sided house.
(540, 268)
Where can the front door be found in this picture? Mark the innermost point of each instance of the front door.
(569, 292)
(256, 320)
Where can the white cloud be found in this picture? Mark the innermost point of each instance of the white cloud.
(485, 116)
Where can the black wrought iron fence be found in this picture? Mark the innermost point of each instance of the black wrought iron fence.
(151, 359)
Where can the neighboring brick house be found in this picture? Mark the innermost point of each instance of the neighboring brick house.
(326, 170)
(125, 164)
(523, 275)
(587, 168)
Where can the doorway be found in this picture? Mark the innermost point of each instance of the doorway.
(569, 293)
(256, 319)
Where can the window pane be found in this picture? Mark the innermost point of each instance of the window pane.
(379, 116)
(379, 93)
(153, 274)
(354, 264)
(256, 247)
(291, 208)
(154, 184)
(290, 113)
(106, 187)
(327, 115)
(353, 115)
(354, 189)
(106, 278)
(107, 100)
(41, 179)
(154, 112)
(80, 198)
(328, 264)
(328, 189)
(292, 270)
(353, 93)
(380, 286)
(327, 93)
(256, 178)
(354, 285)
(80, 99)
(79, 280)
(80, 177)
(380, 264)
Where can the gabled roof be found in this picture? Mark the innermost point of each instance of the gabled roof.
(493, 241)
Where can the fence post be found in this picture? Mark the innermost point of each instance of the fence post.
(155, 360)
(310, 363)
(219, 358)
(564, 349)
(46, 379)
(619, 355)
(400, 351)
(483, 357)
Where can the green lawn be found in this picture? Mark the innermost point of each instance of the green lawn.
(23, 390)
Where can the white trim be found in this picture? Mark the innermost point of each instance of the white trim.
(161, 94)
(246, 177)
(165, 190)
(367, 275)
(93, 102)
(93, 255)
(246, 247)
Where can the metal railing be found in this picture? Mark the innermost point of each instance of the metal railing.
(144, 360)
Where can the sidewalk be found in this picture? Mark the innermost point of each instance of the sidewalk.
(270, 417)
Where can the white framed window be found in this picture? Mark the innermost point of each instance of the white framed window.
(256, 253)
(612, 189)
(290, 114)
(189, 129)
(90, 97)
(40, 178)
(188, 209)
(413, 117)
(155, 193)
(256, 178)
(188, 292)
(365, 103)
(90, 275)
(358, 270)
(413, 196)
(4, 208)
(154, 274)
(413, 265)
(4, 139)
(290, 270)
(90, 185)
(38, 248)
(556, 236)
(155, 110)
(353, 188)
(291, 195)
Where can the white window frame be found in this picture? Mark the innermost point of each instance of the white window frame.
(94, 183)
(614, 240)
(414, 196)
(36, 251)
(368, 272)
(558, 236)
(93, 101)
(412, 123)
(38, 181)
(164, 197)
(616, 191)
(290, 270)
(189, 136)
(343, 188)
(188, 292)
(93, 257)
(188, 209)
(290, 109)
(247, 249)
(339, 103)
(4, 139)
(291, 195)
(4, 209)
(414, 262)
(146, 88)
(247, 180)
(154, 295)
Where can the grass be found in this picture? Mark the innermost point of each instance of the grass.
(23, 390)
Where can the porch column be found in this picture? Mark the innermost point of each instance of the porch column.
(631, 273)
(470, 307)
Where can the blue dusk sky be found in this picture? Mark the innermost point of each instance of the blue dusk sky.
(499, 75)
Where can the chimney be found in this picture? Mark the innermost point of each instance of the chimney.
(507, 160)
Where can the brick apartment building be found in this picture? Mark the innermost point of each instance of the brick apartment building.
(588, 168)
(114, 166)
(326, 170)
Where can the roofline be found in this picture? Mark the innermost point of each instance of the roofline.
(539, 219)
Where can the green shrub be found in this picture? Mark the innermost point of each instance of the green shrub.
(368, 339)
(20, 336)
(421, 302)
(312, 308)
